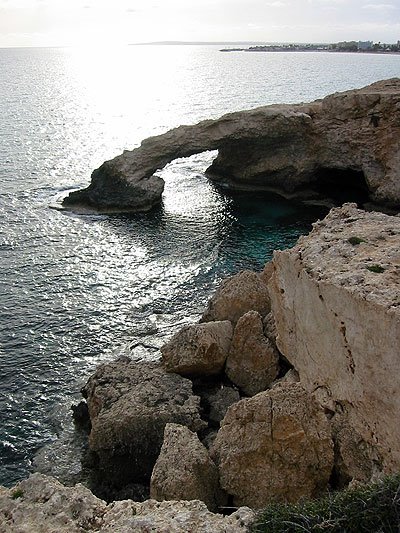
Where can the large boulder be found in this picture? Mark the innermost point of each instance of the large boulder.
(275, 446)
(336, 303)
(237, 295)
(253, 361)
(130, 404)
(198, 349)
(347, 140)
(184, 470)
(42, 504)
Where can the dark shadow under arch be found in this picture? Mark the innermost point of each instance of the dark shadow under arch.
(341, 185)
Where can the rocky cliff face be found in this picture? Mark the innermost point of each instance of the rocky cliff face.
(347, 142)
(336, 302)
(330, 308)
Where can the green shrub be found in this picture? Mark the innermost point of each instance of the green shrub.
(376, 268)
(17, 493)
(355, 240)
(368, 509)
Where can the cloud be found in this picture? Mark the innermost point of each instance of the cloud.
(379, 6)
(326, 2)
(275, 4)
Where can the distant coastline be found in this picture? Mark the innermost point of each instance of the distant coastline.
(344, 46)
(262, 46)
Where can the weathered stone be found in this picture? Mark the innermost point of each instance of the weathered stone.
(236, 296)
(42, 504)
(336, 302)
(274, 446)
(253, 361)
(129, 404)
(295, 150)
(184, 470)
(198, 349)
(270, 328)
(355, 459)
(172, 517)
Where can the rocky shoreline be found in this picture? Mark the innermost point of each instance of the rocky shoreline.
(286, 388)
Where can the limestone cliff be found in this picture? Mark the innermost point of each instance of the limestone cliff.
(345, 141)
(336, 302)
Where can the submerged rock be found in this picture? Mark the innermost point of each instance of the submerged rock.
(130, 404)
(336, 301)
(42, 504)
(347, 141)
(198, 349)
(184, 470)
(275, 446)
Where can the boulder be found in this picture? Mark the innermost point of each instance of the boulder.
(336, 302)
(129, 405)
(347, 140)
(253, 361)
(275, 446)
(237, 295)
(199, 349)
(42, 504)
(184, 470)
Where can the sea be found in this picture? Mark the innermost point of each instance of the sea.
(77, 290)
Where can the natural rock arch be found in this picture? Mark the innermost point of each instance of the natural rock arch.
(279, 148)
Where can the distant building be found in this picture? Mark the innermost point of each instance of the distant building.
(364, 45)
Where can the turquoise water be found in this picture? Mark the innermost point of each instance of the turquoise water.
(76, 290)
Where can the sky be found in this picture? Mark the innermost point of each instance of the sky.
(94, 22)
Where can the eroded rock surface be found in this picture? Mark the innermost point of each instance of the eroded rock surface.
(237, 295)
(336, 301)
(129, 404)
(253, 361)
(42, 504)
(198, 349)
(274, 446)
(290, 149)
(184, 470)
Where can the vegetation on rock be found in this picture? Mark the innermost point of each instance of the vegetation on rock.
(374, 507)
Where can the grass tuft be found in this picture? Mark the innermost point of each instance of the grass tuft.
(367, 509)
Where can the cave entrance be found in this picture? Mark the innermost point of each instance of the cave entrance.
(341, 185)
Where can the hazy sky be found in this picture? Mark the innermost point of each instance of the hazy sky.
(66, 22)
